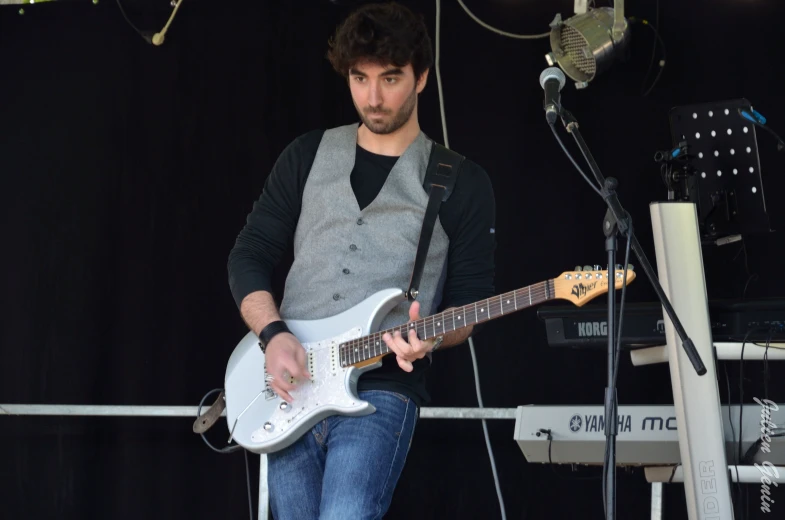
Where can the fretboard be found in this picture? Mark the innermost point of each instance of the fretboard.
(371, 346)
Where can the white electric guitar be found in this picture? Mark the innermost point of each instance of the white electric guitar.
(342, 347)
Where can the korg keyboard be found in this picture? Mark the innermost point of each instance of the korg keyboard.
(644, 326)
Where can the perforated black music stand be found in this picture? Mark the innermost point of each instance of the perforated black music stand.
(726, 184)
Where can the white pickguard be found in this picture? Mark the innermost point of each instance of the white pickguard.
(262, 422)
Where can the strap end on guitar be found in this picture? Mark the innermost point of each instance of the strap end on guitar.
(440, 178)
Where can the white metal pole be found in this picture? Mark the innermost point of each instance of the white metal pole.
(696, 398)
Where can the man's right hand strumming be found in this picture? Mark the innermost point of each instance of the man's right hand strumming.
(285, 359)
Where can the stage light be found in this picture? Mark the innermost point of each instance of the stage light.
(587, 44)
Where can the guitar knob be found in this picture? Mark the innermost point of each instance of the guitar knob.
(268, 426)
(284, 406)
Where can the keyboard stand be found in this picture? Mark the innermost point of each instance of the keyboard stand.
(696, 398)
(726, 350)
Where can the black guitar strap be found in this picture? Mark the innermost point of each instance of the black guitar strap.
(440, 177)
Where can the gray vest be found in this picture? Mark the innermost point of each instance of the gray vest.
(343, 254)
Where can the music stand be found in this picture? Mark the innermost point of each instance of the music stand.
(725, 175)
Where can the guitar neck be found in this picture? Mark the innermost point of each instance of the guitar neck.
(372, 346)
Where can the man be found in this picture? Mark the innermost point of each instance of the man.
(352, 201)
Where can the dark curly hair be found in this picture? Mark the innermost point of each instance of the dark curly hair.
(385, 34)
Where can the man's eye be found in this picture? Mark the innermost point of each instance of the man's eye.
(391, 80)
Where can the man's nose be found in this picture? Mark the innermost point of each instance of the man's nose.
(375, 94)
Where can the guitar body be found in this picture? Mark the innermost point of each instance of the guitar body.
(262, 422)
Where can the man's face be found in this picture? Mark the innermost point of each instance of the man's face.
(385, 96)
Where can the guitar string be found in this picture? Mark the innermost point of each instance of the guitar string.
(352, 351)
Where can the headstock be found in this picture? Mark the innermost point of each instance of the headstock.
(586, 283)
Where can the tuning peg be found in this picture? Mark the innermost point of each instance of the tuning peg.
(598, 268)
(577, 268)
(630, 267)
(587, 268)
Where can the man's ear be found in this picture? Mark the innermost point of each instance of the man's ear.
(422, 81)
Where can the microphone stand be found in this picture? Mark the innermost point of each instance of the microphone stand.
(615, 222)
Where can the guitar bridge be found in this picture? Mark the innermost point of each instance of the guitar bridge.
(269, 393)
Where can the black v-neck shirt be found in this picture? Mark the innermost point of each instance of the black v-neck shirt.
(468, 219)
(369, 175)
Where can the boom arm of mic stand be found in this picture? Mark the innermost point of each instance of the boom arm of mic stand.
(619, 214)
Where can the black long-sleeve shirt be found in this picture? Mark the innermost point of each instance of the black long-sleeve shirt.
(468, 218)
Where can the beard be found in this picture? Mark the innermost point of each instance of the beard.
(391, 121)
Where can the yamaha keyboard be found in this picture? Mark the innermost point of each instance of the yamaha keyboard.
(644, 324)
(647, 435)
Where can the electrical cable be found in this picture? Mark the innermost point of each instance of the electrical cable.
(471, 342)
(228, 449)
(128, 20)
(503, 33)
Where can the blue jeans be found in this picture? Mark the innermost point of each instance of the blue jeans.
(345, 467)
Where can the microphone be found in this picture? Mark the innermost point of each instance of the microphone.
(552, 80)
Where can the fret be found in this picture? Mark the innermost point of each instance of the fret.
(416, 326)
(475, 312)
(530, 295)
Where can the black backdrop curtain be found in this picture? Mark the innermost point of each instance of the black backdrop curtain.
(128, 169)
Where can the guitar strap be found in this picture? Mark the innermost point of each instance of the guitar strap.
(443, 168)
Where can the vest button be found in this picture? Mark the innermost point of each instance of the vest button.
(336, 296)
(360, 222)
(353, 247)
(345, 271)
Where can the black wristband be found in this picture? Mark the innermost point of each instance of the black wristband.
(271, 330)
